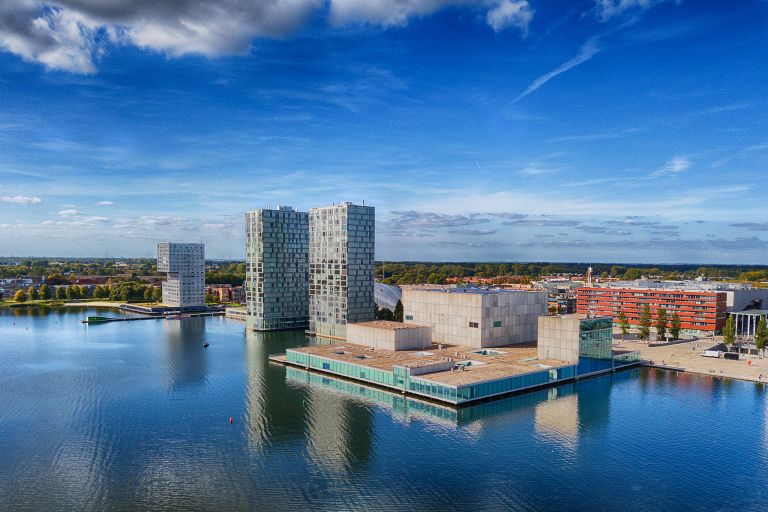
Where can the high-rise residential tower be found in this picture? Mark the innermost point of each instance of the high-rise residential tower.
(341, 256)
(185, 266)
(277, 266)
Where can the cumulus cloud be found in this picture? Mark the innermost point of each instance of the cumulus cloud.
(72, 35)
(510, 14)
(675, 165)
(105, 203)
(21, 199)
(68, 213)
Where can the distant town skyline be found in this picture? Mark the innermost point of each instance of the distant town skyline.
(492, 130)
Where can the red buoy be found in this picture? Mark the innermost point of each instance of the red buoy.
(230, 420)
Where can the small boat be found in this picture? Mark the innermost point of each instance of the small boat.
(206, 345)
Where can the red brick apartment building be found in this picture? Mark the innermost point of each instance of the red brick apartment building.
(701, 312)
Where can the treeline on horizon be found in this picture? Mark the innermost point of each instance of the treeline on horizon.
(56, 270)
(414, 272)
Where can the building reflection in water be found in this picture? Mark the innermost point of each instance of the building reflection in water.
(185, 354)
(336, 431)
(275, 411)
(557, 412)
(557, 419)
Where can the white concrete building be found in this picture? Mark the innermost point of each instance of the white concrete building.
(277, 268)
(341, 255)
(558, 337)
(387, 335)
(185, 267)
(475, 317)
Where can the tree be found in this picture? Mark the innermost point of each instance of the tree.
(674, 330)
(45, 292)
(157, 293)
(32, 293)
(623, 323)
(398, 313)
(644, 329)
(761, 334)
(729, 331)
(661, 323)
(61, 292)
(20, 296)
(148, 293)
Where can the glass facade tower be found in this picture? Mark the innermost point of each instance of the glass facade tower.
(341, 255)
(277, 265)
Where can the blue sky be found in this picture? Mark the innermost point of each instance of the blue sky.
(493, 130)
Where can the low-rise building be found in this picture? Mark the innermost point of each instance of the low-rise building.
(581, 339)
(475, 317)
(388, 335)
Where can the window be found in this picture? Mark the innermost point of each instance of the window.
(409, 317)
(497, 323)
(474, 325)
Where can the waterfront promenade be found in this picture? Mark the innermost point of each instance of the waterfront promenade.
(687, 357)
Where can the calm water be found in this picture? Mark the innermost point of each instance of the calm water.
(135, 416)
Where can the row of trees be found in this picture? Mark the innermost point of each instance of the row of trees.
(129, 290)
(663, 323)
(42, 267)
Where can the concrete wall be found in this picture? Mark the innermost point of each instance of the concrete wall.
(407, 338)
(517, 312)
(559, 338)
(502, 318)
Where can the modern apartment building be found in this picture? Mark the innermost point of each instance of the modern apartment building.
(475, 317)
(701, 312)
(277, 266)
(185, 268)
(341, 256)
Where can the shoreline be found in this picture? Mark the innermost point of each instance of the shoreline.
(686, 357)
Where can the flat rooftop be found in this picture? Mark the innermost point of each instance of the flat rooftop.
(501, 362)
(472, 290)
(388, 324)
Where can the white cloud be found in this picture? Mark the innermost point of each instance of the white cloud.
(105, 203)
(675, 165)
(607, 9)
(510, 14)
(21, 199)
(586, 52)
(68, 213)
(501, 14)
(72, 35)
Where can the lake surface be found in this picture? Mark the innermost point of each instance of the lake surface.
(135, 416)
